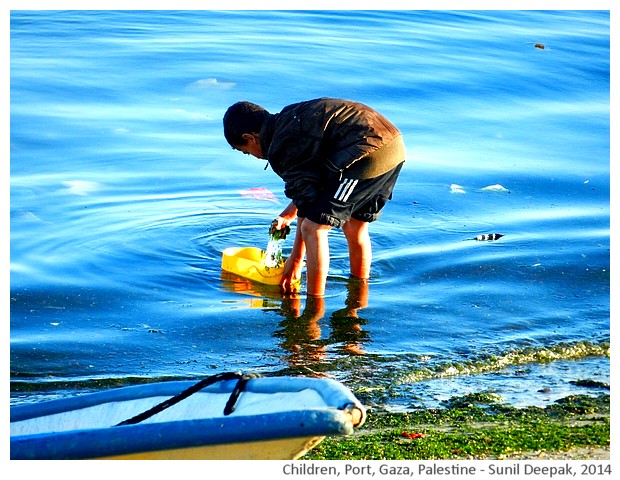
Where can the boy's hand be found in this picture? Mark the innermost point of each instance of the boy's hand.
(291, 277)
(279, 229)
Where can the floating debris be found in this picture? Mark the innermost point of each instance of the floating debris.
(489, 236)
(540, 45)
(456, 188)
(259, 193)
(211, 83)
(495, 188)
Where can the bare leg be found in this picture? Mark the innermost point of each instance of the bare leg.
(317, 255)
(360, 248)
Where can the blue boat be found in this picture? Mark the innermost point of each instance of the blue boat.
(229, 416)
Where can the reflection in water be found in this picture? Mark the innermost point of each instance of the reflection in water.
(346, 324)
(264, 296)
(301, 330)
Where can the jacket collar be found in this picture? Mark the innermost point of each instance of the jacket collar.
(266, 134)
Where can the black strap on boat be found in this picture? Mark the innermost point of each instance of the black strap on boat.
(220, 377)
(234, 396)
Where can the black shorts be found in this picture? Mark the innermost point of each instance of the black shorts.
(347, 198)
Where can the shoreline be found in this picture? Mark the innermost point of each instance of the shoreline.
(477, 427)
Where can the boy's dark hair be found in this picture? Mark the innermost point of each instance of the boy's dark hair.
(240, 118)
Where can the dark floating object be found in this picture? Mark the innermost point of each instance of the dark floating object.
(590, 384)
(540, 45)
(489, 236)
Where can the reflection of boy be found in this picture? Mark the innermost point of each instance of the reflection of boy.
(339, 161)
(300, 332)
(346, 323)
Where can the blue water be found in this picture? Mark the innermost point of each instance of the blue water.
(124, 194)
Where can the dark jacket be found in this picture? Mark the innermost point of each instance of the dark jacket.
(311, 142)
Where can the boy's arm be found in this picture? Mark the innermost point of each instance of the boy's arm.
(286, 217)
(294, 263)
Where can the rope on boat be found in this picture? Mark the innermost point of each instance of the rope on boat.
(239, 387)
(220, 377)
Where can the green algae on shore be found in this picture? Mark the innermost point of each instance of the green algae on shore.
(476, 426)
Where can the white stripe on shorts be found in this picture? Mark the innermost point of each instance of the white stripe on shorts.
(346, 188)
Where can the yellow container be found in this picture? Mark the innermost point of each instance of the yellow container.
(249, 262)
